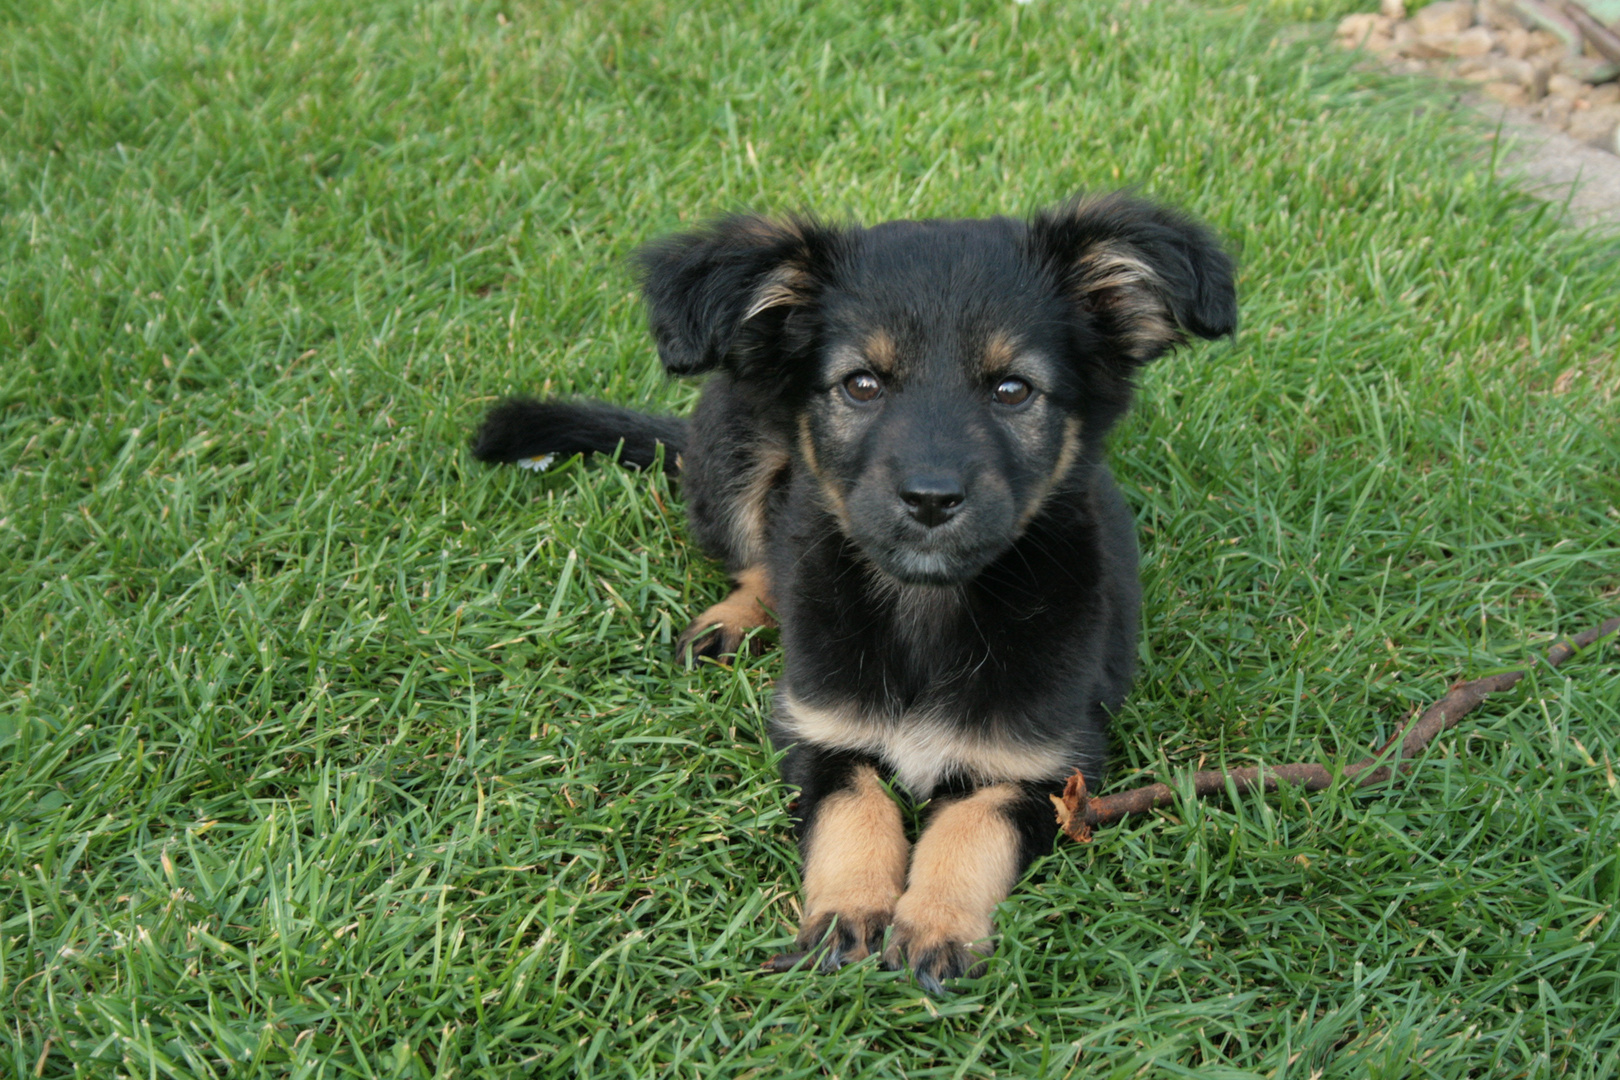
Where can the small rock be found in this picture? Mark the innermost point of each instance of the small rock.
(1363, 28)
(1473, 42)
(1423, 48)
(1566, 86)
(1445, 17)
(1515, 41)
(1476, 41)
(1607, 94)
(1597, 127)
(1392, 9)
(1499, 16)
(1543, 43)
(1533, 77)
(1555, 110)
(1508, 93)
(1522, 72)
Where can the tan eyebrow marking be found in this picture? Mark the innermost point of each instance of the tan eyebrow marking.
(1000, 350)
(1000, 354)
(880, 351)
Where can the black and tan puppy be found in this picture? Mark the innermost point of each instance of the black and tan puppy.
(900, 457)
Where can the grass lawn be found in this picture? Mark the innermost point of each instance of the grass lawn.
(325, 751)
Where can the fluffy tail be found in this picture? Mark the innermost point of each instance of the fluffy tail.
(519, 429)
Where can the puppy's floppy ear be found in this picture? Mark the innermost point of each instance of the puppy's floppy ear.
(703, 287)
(1145, 275)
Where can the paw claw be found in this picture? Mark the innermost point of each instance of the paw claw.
(784, 962)
(933, 959)
(719, 632)
(714, 641)
(700, 641)
(836, 939)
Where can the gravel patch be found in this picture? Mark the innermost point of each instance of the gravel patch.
(1549, 87)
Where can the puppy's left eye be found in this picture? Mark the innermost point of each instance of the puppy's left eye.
(1011, 392)
(863, 386)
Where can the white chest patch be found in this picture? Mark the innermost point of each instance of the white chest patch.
(922, 749)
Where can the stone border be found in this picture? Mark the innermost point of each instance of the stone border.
(1550, 165)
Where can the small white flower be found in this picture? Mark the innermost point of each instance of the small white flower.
(538, 464)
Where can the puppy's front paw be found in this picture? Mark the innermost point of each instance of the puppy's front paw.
(937, 943)
(836, 938)
(720, 630)
(708, 638)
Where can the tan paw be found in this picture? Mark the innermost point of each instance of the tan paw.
(938, 944)
(833, 939)
(720, 630)
(708, 638)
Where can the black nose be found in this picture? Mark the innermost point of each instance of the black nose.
(932, 500)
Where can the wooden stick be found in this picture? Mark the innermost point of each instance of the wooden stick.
(1603, 39)
(1078, 814)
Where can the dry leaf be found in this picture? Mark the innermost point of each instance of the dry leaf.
(1071, 809)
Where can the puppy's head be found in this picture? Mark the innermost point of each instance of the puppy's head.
(941, 378)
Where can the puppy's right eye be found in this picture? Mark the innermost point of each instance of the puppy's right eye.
(1011, 392)
(863, 386)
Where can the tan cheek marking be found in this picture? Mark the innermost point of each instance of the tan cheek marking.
(856, 859)
(834, 497)
(965, 863)
(749, 516)
(1066, 457)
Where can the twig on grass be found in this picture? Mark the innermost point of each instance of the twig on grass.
(1078, 813)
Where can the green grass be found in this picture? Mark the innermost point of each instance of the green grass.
(327, 752)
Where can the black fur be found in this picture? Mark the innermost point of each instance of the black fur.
(522, 428)
(900, 453)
